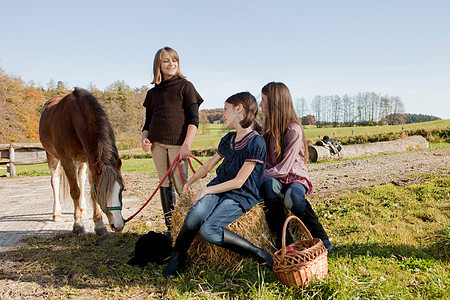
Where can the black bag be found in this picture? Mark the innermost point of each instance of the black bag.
(151, 247)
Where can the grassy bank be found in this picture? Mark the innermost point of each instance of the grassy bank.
(391, 242)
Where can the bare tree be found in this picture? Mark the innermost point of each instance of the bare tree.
(336, 109)
(316, 107)
(301, 107)
(348, 109)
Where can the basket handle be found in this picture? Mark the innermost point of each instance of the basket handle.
(283, 240)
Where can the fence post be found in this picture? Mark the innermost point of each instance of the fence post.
(12, 158)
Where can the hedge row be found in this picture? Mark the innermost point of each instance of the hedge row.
(436, 135)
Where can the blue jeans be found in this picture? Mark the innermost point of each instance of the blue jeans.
(294, 194)
(210, 215)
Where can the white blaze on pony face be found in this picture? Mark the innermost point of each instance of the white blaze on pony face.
(115, 216)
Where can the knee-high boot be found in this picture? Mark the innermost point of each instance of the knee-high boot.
(311, 221)
(238, 244)
(276, 216)
(167, 203)
(179, 253)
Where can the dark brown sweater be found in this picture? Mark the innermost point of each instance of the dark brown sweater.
(167, 104)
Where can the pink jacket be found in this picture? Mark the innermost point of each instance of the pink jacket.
(292, 167)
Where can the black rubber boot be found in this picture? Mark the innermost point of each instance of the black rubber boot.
(276, 216)
(167, 203)
(311, 221)
(179, 253)
(238, 244)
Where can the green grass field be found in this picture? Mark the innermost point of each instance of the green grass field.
(391, 242)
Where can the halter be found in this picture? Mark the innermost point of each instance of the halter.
(105, 208)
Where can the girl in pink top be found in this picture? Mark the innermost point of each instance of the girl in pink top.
(286, 178)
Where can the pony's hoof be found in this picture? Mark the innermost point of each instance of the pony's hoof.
(101, 231)
(78, 230)
(57, 218)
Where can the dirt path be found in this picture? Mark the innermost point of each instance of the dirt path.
(26, 202)
(26, 209)
(399, 168)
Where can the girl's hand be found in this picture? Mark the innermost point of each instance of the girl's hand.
(186, 188)
(200, 194)
(146, 144)
(184, 152)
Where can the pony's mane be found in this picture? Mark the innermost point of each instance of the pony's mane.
(105, 142)
(104, 134)
(106, 181)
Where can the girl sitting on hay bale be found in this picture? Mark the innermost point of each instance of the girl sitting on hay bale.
(286, 178)
(232, 192)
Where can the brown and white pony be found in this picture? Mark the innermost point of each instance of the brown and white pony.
(75, 131)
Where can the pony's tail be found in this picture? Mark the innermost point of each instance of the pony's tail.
(64, 192)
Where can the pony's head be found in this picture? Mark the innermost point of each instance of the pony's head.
(108, 193)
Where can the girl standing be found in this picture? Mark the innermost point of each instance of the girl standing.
(232, 192)
(286, 178)
(171, 121)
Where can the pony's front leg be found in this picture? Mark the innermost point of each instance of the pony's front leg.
(82, 182)
(71, 172)
(55, 172)
(99, 227)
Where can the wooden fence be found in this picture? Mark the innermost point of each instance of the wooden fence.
(21, 154)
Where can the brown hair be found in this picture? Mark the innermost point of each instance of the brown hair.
(250, 105)
(280, 114)
(157, 76)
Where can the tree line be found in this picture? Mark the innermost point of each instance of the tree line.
(364, 108)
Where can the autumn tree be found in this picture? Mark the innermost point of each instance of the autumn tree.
(20, 107)
(309, 120)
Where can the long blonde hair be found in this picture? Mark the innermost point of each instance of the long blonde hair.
(280, 114)
(157, 76)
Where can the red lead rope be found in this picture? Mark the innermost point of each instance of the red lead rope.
(177, 161)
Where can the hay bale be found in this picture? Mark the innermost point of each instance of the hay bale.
(251, 226)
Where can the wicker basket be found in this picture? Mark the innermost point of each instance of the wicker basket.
(302, 261)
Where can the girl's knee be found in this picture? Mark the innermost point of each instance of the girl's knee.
(212, 234)
(295, 201)
(195, 216)
(190, 224)
(270, 188)
(192, 221)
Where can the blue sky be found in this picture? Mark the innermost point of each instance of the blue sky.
(395, 48)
